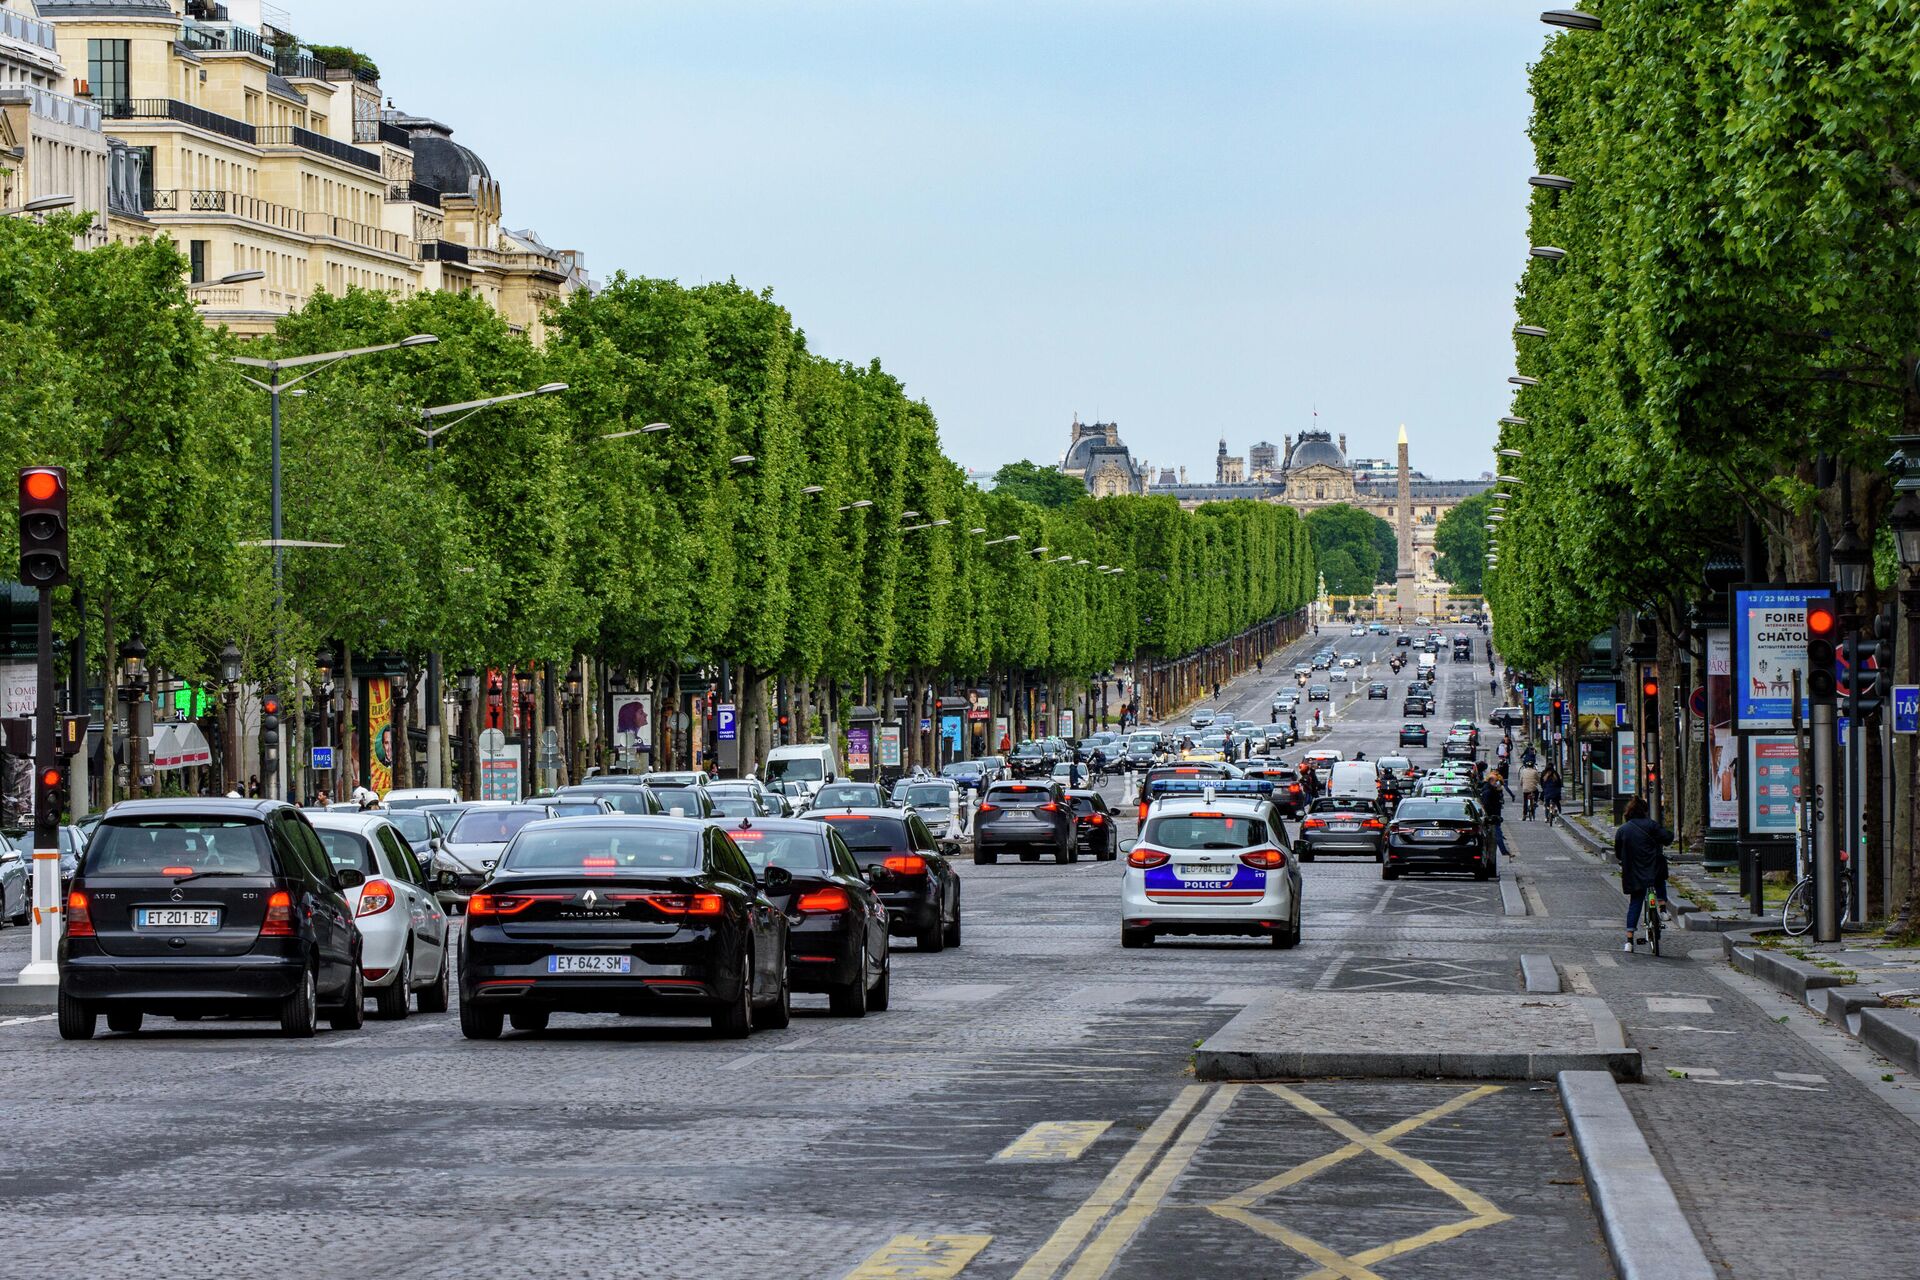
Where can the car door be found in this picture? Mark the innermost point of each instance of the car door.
(920, 840)
(769, 943)
(310, 873)
(14, 885)
(873, 911)
(428, 921)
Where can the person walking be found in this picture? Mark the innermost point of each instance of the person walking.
(1491, 800)
(1550, 792)
(1529, 791)
(1640, 846)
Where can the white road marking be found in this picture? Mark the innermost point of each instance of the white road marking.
(1578, 981)
(1605, 960)
(1679, 1004)
(36, 1017)
(1800, 1077)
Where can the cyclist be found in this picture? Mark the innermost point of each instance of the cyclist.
(1550, 792)
(1098, 766)
(1639, 845)
(1529, 788)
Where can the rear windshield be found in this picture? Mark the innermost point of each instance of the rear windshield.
(577, 809)
(1083, 805)
(623, 799)
(1342, 804)
(734, 804)
(1432, 811)
(492, 826)
(412, 823)
(919, 797)
(685, 799)
(849, 795)
(1018, 797)
(794, 850)
(347, 850)
(869, 834)
(1204, 831)
(132, 847)
(605, 849)
(414, 802)
(800, 769)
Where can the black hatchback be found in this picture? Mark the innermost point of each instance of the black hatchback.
(196, 907)
(901, 860)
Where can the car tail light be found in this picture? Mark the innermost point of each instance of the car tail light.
(508, 904)
(1312, 823)
(686, 904)
(1263, 859)
(596, 862)
(375, 896)
(1144, 857)
(1373, 824)
(986, 808)
(1294, 787)
(1143, 811)
(828, 900)
(1048, 807)
(1097, 819)
(79, 917)
(911, 864)
(279, 921)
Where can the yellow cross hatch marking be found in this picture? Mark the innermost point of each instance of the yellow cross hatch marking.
(920, 1258)
(1054, 1141)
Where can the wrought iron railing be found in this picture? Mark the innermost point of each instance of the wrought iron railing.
(288, 135)
(182, 112)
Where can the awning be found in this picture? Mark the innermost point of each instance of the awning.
(178, 746)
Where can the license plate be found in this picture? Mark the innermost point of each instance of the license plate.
(1343, 826)
(1203, 875)
(1433, 833)
(176, 918)
(589, 964)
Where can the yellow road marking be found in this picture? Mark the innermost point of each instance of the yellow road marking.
(1578, 981)
(1055, 1140)
(1147, 1197)
(1069, 1235)
(920, 1258)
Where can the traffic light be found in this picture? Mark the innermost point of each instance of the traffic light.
(43, 526)
(1861, 669)
(49, 798)
(1822, 626)
(269, 726)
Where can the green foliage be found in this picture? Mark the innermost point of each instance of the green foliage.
(1461, 540)
(341, 57)
(1043, 486)
(1355, 548)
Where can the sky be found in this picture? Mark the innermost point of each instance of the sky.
(1194, 218)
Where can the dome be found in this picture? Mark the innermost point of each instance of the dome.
(440, 162)
(1078, 453)
(1316, 449)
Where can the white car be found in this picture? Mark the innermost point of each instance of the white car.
(1358, 631)
(403, 930)
(1211, 864)
(936, 800)
(420, 797)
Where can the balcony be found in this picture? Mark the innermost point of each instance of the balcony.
(295, 65)
(404, 192)
(48, 105)
(325, 224)
(287, 135)
(442, 251)
(368, 132)
(252, 209)
(180, 112)
(28, 30)
(225, 37)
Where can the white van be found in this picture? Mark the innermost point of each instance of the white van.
(1355, 778)
(811, 764)
(1424, 663)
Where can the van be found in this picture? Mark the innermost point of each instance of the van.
(811, 764)
(1425, 663)
(1355, 778)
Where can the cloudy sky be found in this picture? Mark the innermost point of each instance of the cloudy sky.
(1195, 218)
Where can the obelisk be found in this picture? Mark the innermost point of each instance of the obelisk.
(1405, 603)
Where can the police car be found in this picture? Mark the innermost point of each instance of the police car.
(1212, 858)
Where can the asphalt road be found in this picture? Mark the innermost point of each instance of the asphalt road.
(1025, 1109)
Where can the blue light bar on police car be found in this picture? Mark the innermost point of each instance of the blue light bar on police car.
(1202, 786)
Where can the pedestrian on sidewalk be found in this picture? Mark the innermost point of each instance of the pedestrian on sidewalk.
(1640, 845)
(1491, 800)
(1529, 791)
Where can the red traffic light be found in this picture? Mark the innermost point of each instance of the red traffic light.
(1821, 621)
(1651, 688)
(270, 706)
(51, 777)
(41, 485)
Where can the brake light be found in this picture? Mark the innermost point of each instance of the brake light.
(1143, 811)
(687, 904)
(279, 921)
(176, 871)
(1144, 857)
(829, 899)
(79, 918)
(1048, 807)
(1373, 824)
(1294, 787)
(911, 864)
(507, 904)
(1097, 819)
(1312, 823)
(596, 862)
(1263, 859)
(375, 896)
(986, 808)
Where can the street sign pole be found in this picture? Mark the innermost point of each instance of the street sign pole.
(43, 968)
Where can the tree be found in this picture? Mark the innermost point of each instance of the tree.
(1461, 540)
(1042, 486)
(1357, 533)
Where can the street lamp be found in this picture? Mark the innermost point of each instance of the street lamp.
(651, 429)
(1530, 330)
(1506, 479)
(467, 408)
(909, 515)
(1905, 521)
(1571, 19)
(1039, 551)
(1551, 253)
(742, 459)
(1522, 380)
(977, 532)
(230, 664)
(1513, 422)
(812, 489)
(232, 277)
(230, 672)
(1508, 453)
(858, 504)
(133, 659)
(1550, 182)
(1851, 560)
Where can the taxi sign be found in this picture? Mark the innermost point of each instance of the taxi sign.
(1216, 786)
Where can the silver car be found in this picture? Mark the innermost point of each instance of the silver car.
(16, 883)
(936, 800)
(403, 931)
(474, 843)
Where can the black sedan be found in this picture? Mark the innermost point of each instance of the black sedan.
(1378, 689)
(836, 923)
(1319, 693)
(1459, 746)
(1342, 825)
(192, 907)
(1095, 826)
(1413, 735)
(648, 916)
(624, 797)
(899, 858)
(1439, 833)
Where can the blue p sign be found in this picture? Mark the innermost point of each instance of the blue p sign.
(725, 726)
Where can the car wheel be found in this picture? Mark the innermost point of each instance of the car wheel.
(1135, 937)
(1069, 854)
(1389, 873)
(395, 1000)
(953, 929)
(1483, 872)
(534, 1020)
(778, 1012)
(1380, 856)
(77, 1018)
(880, 994)
(352, 1013)
(735, 1021)
(849, 1000)
(1112, 850)
(933, 937)
(124, 1021)
(300, 1009)
(435, 998)
(481, 1022)
(984, 858)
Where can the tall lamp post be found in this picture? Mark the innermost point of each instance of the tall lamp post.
(230, 671)
(1905, 520)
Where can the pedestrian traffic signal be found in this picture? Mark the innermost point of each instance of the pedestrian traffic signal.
(43, 526)
(1650, 688)
(1822, 626)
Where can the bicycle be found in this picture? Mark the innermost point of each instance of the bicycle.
(1798, 915)
(1650, 923)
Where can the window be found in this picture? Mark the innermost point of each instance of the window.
(197, 256)
(107, 73)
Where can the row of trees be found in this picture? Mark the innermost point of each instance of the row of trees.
(797, 517)
(1354, 549)
(1731, 329)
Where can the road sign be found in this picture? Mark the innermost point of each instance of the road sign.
(492, 742)
(726, 723)
(1697, 703)
(1906, 708)
(1620, 720)
(925, 724)
(322, 758)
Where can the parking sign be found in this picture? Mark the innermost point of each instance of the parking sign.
(725, 726)
(1906, 708)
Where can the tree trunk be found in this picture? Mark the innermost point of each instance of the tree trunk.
(107, 662)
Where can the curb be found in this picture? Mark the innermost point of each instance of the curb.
(1892, 1033)
(1511, 903)
(1646, 1232)
(18, 999)
(1795, 977)
(1539, 976)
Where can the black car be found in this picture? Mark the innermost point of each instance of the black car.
(1342, 825)
(836, 922)
(1319, 693)
(1378, 689)
(192, 907)
(1031, 760)
(1028, 818)
(625, 797)
(1413, 735)
(849, 795)
(1095, 827)
(1414, 705)
(648, 916)
(1289, 793)
(1402, 640)
(1444, 833)
(739, 802)
(900, 859)
(1459, 746)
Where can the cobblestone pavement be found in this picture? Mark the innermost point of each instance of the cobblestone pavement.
(1026, 1109)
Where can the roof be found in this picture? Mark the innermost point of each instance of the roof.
(107, 9)
(204, 806)
(443, 164)
(1316, 449)
(279, 84)
(348, 821)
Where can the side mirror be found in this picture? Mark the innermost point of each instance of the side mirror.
(349, 878)
(1126, 846)
(776, 880)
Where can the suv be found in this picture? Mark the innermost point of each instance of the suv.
(191, 907)
(1030, 818)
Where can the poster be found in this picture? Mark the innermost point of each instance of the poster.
(632, 724)
(950, 723)
(1594, 702)
(1770, 646)
(1723, 749)
(1628, 754)
(18, 689)
(380, 734)
(1066, 723)
(859, 749)
(890, 746)
(1773, 808)
(500, 774)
